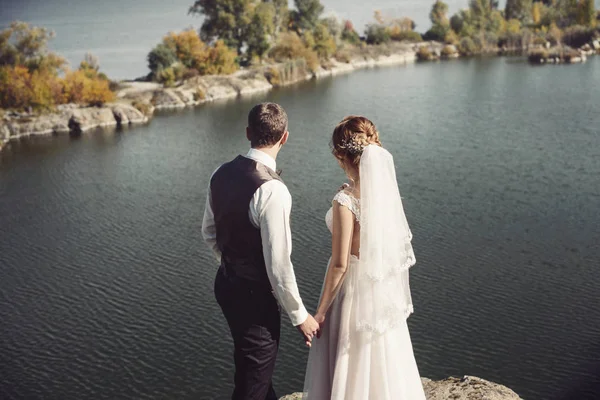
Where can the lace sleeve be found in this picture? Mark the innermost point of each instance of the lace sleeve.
(347, 201)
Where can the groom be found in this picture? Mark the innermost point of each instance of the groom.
(246, 224)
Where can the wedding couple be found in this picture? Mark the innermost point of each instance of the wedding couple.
(360, 347)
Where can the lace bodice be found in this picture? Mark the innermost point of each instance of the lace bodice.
(347, 200)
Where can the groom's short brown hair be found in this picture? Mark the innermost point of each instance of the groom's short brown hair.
(267, 122)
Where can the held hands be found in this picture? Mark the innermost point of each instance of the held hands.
(320, 318)
(309, 329)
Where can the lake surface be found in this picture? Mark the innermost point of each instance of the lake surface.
(106, 285)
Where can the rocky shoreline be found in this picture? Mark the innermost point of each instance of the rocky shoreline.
(465, 388)
(138, 101)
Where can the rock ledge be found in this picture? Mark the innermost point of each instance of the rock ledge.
(466, 388)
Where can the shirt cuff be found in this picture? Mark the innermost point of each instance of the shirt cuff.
(298, 317)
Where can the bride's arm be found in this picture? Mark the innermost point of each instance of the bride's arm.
(341, 242)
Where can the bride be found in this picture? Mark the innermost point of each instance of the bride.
(363, 350)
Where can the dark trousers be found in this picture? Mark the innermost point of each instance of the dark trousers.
(254, 320)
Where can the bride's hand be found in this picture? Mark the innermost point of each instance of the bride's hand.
(320, 318)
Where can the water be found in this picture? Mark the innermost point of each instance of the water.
(106, 289)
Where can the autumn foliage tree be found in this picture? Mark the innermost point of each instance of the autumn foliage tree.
(185, 54)
(33, 77)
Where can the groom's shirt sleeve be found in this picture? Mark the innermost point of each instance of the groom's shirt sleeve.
(270, 210)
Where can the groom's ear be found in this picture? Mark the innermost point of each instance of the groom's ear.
(284, 138)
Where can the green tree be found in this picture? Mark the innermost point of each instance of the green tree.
(349, 34)
(227, 20)
(281, 17)
(261, 30)
(324, 42)
(376, 34)
(484, 14)
(439, 22)
(587, 13)
(160, 58)
(306, 15)
(457, 22)
(438, 14)
(519, 9)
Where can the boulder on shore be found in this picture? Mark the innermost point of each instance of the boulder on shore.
(466, 388)
(69, 118)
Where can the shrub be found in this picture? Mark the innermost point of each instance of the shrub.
(166, 77)
(343, 55)
(424, 54)
(408, 36)
(186, 51)
(377, 34)
(272, 75)
(199, 94)
(221, 60)
(467, 46)
(448, 51)
(290, 47)
(79, 87)
(451, 37)
(189, 73)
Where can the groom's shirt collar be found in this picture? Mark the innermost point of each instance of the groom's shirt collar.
(263, 158)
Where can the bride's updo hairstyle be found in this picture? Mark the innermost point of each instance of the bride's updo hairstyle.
(351, 136)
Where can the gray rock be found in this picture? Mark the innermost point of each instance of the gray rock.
(84, 119)
(125, 114)
(467, 388)
(167, 99)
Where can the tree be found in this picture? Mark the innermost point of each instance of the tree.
(438, 13)
(324, 43)
(457, 22)
(376, 34)
(281, 17)
(482, 13)
(349, 34)
(536, 12)
(307, 14)
(587, 13)
(161, 57)
(519, 9)
(439, 22)
(25, 45)
(227, 20)
(261, 30)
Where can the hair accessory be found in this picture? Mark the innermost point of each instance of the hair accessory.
(352, 147)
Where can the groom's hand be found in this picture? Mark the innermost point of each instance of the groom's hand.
(308, 329)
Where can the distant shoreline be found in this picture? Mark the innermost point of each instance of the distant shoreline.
(137, 101)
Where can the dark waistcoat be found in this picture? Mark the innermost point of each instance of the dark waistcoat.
(232, 188)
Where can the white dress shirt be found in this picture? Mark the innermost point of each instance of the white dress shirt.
(269, 210)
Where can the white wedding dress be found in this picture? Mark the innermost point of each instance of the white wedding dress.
(345, 364)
